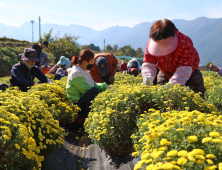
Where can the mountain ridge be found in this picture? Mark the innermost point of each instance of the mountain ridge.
(206, 34)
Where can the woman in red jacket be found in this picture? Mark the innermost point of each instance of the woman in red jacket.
(123, 66)
(174, 54)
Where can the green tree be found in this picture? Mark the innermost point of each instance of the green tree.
(109, 48)
(118, 53)
(139, 53)
(91, 47)
(122, 49)
(65, 46)
(47, 37)
(115, 47)
(129, 51)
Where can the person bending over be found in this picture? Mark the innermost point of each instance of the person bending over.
(215, 68)
(64, 63)
(174, 54)
(123, 66)
(104, 69)
(23, 73)
(39, 54)
(133, 67)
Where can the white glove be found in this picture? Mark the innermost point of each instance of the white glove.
(171, 83)
(147, 81)
(108, 87)
(43, 66)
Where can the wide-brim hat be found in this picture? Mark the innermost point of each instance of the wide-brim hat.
(68, 63)
(62, 61)
(102, 65)
(163, 47)
(29, 55)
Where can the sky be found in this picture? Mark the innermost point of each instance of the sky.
(102, 14)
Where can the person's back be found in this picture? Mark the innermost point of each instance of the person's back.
(104, 70)
(64, 63)
(133, 67)
(39, 48)
(134, 63)
(123, 67)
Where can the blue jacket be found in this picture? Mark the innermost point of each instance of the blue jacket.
(23, 78)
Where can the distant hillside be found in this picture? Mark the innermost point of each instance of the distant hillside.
(206, 34)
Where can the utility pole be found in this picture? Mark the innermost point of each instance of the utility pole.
(104, 45)
(39, 27)
(32, 21)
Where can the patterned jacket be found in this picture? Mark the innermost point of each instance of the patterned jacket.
(112, 64)
(44, 60)
(177, 66)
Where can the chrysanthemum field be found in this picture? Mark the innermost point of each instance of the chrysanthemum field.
(168, 127)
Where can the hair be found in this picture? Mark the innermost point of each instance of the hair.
(84, 55)
(162, 29)
(73, 60)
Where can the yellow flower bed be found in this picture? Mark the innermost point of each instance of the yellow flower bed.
(114, 112)
(185, 129)
(178, 140)
(186, 139)
(17, 147)
(213, 85)
(55, 97)
(34, 114)
(29, 124)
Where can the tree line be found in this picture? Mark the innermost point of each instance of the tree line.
(115, 50)
(65, 45)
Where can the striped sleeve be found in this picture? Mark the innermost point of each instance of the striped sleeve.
(181, 75)
(149, 69)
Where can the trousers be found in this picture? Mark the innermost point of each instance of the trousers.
(195, 82)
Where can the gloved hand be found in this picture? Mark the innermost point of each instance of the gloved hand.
(171, 84)
(43, 66)
(108, 87)
(147, 81)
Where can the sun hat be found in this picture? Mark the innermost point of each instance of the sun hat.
(62, 61)
(163, 47)
(102, 65)
(29, 55)
(68, 63)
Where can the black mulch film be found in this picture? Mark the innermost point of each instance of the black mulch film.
(78, 153)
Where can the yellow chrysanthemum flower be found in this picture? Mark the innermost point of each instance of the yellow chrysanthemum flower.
(210, 156)
(192, 139)
(181, 161)
(207, 139)
(172, 153)
(214, 134)
(180, 129)
(209, 161)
